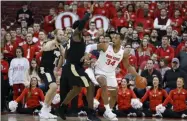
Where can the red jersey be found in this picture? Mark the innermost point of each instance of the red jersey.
(177, 99)
(32, 101)
(179, 47)
(38, 57)
(179, 22)
(162, 53)
(155, 97)
(119, 22)
(48, 27)
(10, 48)
(29, 51)
(101, 11)
(36, 34)
(4, 69)
(124, 98)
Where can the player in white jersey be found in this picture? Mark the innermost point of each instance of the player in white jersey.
(109, 58)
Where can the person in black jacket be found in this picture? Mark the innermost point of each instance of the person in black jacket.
(171, 76)
(24, 13)
(148, 73)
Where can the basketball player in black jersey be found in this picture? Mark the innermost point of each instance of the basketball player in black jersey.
(73, 75)
(52, 56)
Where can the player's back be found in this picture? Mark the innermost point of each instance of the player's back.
(109, 60)
(50, 58)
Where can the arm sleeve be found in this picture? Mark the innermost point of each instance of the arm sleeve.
(23, 94)
(155, 24)
(42, 97)
(145, 96)
(168, 99)
(83, 21)
(133, 94)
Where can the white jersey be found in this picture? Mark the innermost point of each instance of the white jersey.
(109, 60)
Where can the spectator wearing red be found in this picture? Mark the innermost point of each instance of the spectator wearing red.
(130, 14)
(14, 35)
(16, 74)
(162, 22)
(125, 94)
(110, 6)
(119, 21)
(82, 8)
(4, 75)
(60, 7)
(176, 21)
(41, 40)
(101, 10)
(30, 48)
(144, 52)
(155, 95)
(181, 45)
(165, 51)
(33, 96)
(36, 28)
(22, 41)
(8, 48)
(93, 31)
(177, 97)
(49, 21)
(18, 32)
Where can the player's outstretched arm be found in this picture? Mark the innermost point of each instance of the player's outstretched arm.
(127, 64)
(48, 45)
(62, 58)
(77, 33)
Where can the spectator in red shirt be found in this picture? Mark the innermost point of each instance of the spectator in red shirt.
(8, 48)
(33, 96)
(181, 45)
(119, 21)
(41, 40)
(125, 94)
(18, 32)
(155, 95)
(4, 80)
(177, 97)
(30, 49)
(60, 7)
(49, 21)
(177, 21)
(101, 10)
(93, 31)
(130, 14)
(144, 52)
(165, 51)
(36, 28)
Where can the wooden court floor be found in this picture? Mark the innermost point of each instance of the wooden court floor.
(22, 117)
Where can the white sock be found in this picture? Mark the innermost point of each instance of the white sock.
(107, 107)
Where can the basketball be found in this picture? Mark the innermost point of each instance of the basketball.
(141, 82)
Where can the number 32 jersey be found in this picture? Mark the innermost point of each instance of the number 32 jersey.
(109, 60)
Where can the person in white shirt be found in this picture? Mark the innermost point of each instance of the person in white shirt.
(162, 22)
(18, 67)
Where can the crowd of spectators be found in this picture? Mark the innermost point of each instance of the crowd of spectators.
(154, 32)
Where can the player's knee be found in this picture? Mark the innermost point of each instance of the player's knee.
(102, 81)
(53, 86)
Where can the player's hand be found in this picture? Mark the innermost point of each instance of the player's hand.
(85, 58)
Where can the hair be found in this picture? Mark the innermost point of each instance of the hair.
(20, 48)
(31, 69)
(181, 78)
(165, 61)
(5, 40)
(127, 80)
(165, 36)
(29, 93)
(132, 7)
(159, 85)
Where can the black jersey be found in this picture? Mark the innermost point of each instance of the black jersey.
(75, 51)
(50, 58)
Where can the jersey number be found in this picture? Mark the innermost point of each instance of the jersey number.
(110, 62)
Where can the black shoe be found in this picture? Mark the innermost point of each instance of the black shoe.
(92, 115)
(62, 110)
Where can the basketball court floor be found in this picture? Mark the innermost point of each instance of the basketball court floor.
(22, 117)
